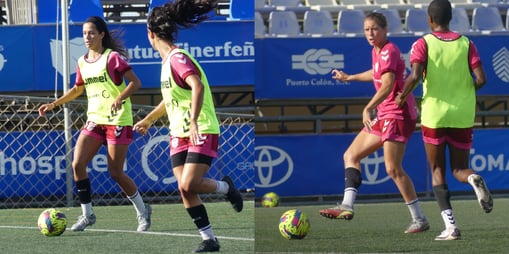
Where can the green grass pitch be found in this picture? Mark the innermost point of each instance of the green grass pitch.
(378, 228)
(172, 231)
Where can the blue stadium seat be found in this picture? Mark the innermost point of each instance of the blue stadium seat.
(487, 19)
(81, 10)
(263, 7)
(260, 28)
(459, 22)
(283, 23)
(241, 10)
(318, 23)
(416, 21)
(351, 22)
(258, 4)
(395, 26)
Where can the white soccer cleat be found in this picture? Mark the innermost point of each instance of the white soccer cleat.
(481, 191)
(449, 234)
(144, 219)
(83, 222)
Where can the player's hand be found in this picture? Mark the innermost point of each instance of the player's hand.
(339, 75)
(116, 106)
(142, 127)
(46, 107)
(367, 119)
(194, 135)
(400, 101)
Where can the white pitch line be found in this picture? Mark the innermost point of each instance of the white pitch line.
(136, 232)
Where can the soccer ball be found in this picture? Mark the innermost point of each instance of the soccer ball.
(52, 222)
(270, 199)
(294, 224)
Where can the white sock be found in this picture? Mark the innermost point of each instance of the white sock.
(448, 217)
(206, 233)
(415, 209)
(137, 202)
(86, 209)
(222, 187)
(349, 197)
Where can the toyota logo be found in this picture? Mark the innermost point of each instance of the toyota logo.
(373, 171)
(273, 165)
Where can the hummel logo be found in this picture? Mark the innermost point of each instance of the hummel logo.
(182, 59)
(386, 124)
(118, 130)
(450, 217)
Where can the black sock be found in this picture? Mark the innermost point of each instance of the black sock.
(199, 216)
(83, 187)
(443, 196)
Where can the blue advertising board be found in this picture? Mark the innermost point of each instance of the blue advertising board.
(301, 67)
(31, 56)
(34, 163)
(307, 165)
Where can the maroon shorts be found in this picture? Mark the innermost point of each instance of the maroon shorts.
(393, 129)
(109, 134)
(208, 147)
(458, 137)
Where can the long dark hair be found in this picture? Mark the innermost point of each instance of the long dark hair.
(165, 21)
(111, 39)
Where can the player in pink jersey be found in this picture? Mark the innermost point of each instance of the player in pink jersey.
(446, 61)
(390, 129)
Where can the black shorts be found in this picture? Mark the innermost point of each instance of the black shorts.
(184, 157)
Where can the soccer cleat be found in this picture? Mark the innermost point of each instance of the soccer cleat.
(449, 234)
(233, 195)
(210, 245)
(338, 212)
(83, 222)
(144, 219)
(481, 191)
(417, 226)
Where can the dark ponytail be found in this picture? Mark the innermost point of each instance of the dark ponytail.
(165, 21)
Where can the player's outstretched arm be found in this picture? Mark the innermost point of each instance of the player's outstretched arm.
(67, 97)
(343, 76)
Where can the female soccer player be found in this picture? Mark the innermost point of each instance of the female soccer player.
(390, 129)
(187, 100)
(448, 107)
(101, 73)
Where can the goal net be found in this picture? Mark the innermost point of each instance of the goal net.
(36, 155)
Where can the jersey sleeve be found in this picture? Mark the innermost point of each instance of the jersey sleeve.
(182, 67)
(79, 79)
(117, 67)
(418, 53)
(473, 56)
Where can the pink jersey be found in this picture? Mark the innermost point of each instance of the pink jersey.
(420, 51)
(389, 59)
(117, 67)
(182, 67)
